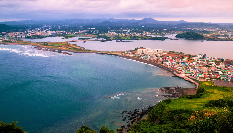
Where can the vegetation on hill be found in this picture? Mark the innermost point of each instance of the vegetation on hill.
(190, 36)
(10, 128)
(209, 110)
(5, 28)
(86, 129)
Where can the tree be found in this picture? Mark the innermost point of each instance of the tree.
(190, 36)
(10, 128)
(85, 129)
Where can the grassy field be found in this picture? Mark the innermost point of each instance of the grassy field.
(210, 110)
(212, 92)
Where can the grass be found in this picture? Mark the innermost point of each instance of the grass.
(212, 92)
(192, 113)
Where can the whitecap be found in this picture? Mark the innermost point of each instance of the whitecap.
(139, 98)
(115, 97)
(5, 49)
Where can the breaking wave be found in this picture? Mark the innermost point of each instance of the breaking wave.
(25, 50)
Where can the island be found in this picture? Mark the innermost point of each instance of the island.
(190, 36)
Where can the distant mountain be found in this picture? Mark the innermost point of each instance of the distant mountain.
(5, 28)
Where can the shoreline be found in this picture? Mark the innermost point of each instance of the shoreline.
(175, 72)
(47, 48)
(142, 115)
(137, 115)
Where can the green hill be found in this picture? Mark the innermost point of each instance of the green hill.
(4, 28)
(190, 36)
(209, 110)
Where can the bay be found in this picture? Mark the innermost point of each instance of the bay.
(51, 92)
(219, 49)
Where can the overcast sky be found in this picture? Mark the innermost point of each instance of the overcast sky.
(171, 10)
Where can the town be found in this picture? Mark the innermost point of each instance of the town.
(114, 29)
(193, 68)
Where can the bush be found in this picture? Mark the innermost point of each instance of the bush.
(220, 103)
(105, 130)
(167, 101)
(10, 128)
(85, 129)
(210, 121)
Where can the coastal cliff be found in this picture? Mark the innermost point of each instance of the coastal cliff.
(204, 111)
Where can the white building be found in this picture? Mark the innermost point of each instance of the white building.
(149, 51)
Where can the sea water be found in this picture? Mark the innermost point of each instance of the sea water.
(52, 92)
(219, 49)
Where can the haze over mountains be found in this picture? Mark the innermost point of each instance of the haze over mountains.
(108, 24)
(214, 11)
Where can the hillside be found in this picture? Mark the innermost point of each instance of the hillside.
(190, 36)
(4, 27)
(210, 109)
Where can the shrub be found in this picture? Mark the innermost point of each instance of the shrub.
(10, 128)
(85, 129)
(211, 121)
(220, 103)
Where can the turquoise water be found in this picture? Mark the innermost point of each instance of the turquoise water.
(51, 92)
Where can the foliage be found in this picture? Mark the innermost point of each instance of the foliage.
(190, 35)
(35, 37)
(163, 119)
(83, 38)
(210, 110)
(220, 103)
(157, 38)
(68, 36)
(105, 130)
(212, 121)
(192, 115)
(86, 129)
(4, 28)
(10, 128)
(6, 41)
(105, 37)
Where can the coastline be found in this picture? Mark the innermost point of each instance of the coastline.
(49, 48)
(138, 116)
(141, 115)
(169, 69)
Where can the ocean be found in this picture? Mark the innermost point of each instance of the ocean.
(51, 92)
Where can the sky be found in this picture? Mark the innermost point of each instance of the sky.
(215, 11)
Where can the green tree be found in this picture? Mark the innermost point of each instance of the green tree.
(10, 128)
(85, 129)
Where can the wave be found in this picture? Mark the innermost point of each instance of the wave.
(5, 49)
(117, 96)
(34, 54)
(25, 51)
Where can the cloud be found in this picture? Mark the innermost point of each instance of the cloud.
(117, 8)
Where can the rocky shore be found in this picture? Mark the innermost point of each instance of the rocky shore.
(133, 117)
